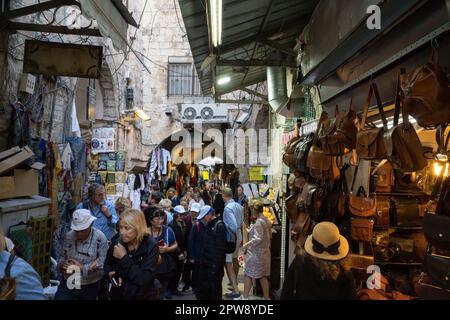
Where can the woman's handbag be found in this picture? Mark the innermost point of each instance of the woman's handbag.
(427, 290)
(405, 212)
(362, 229)
(438, 268)
(341, 139)
(385, 178)
(318, 163)
(427, 93)
(382, 219)
(404, 149)
(361, 206)
(369, 141)
(437, 230)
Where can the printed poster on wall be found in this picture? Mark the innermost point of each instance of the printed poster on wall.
(103, 140)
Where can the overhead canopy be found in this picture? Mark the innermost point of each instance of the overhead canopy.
(112, 19)
(252, 30)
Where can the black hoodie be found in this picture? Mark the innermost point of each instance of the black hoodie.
(137, 270)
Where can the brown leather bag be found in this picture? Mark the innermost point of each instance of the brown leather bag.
(302, 229)
(362, 229)
(341, 136)
(369, 141)
(318, 163)
(362, 206)
(291, 207)
(288, 156)
(385, 180)
(404, 149)
(382, 219)
(427, 93)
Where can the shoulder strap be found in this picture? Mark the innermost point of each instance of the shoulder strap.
(11, 259)
(380, 105)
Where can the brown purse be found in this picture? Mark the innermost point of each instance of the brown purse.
(318, 163)
(404, 149)
(369, 141)
(288, 156)
(362, 229)
(302, 229)
(291, 207)
(382, 219)
(362, 206)
(427, 93)
(385, 180)
(341, 136)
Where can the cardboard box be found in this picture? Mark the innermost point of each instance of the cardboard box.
(7, 188)
(15, 160)
(24, 183)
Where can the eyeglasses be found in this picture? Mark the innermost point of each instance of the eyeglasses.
(158, 217)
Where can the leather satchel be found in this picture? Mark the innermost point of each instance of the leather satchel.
(302, 229)
(437, 230)
(438, 268)
(427, 290)
(291, 207)
(362, 206)
(402, 249)
(405, 212)
(362, 229)
(382, 219)
(385, 178)
(427, 93)
(301, 153)
(288, 153)
(318, 163)
(403, 146)
(369, 141)
(341, 137)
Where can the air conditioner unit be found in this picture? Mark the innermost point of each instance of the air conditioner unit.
(204, 113)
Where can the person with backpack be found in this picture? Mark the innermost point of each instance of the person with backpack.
(208, 242)
(18, 279)
(168, 245)
(101, 209)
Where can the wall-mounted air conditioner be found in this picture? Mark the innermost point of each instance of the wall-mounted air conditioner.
(204, 113)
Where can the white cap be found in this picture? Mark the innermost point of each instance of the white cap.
(204, 211)
(82, 219)
(179, 210)
(196, 207)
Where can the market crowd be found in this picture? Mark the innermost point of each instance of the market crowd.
(174, 244)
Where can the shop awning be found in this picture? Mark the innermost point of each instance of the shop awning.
(252, 30)
(112, 19)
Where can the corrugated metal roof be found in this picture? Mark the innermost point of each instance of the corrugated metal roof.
(243, 21)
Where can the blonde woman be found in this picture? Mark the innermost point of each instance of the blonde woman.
(132, 259)
(122, 204)
(257, 264)
(18, 279)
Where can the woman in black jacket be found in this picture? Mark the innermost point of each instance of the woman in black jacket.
(132, 259)
(319, 273)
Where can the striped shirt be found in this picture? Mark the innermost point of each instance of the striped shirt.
(86, 252)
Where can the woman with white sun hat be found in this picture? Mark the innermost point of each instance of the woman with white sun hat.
(319, 272)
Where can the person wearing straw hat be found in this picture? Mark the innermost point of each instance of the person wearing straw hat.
(83, 252)
(319, 272)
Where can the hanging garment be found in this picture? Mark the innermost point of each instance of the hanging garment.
(67, 157)
(153, 162)
(135, 198)
(141, 179)
(165, 158)
(75, 126)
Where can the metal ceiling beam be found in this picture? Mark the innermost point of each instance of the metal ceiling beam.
(255, 63)
(256, 94)
(44, 6)
(14, 26)
(392, 12)
(277, 46)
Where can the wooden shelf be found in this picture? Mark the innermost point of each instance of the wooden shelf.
(406, 264)
(393, 194)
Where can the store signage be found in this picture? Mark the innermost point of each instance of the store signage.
(103, 140)
(62, 59)
(256, 174)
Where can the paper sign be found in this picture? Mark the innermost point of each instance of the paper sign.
(103, 140)
(256, 174)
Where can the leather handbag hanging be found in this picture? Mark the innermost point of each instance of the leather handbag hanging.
(288, 153)
(301, 153)
(291, 207)
(438, 268)
(385, 178)
(382, 219)
(427, 93)
(362, 229)
(318, 163)
(342, 137)
(427, 290)
(404, 149)
(402, 249)
(405, 212)
(362, 206)
(437, 230)
(369, 141)
(302, 229)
